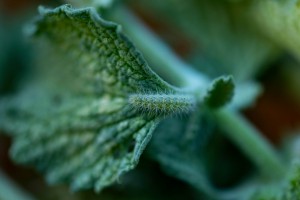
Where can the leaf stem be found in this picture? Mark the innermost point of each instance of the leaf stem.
(10, 191)
(250, 140)
(164, 61)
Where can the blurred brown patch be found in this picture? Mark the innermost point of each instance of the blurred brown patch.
(275, 112)
(11, 8)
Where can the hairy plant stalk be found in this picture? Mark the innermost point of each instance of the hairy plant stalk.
(237, 128)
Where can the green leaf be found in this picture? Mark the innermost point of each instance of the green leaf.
(220, 92)
(87, 141)
(88, 116)
(279, 20)
(103, 59)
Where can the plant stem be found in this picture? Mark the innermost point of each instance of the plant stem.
(250, 141)
(10, 191)
(164, 61)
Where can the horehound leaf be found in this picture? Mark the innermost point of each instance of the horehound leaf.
(83, 123)
(87, 141)
(220, 92)
(102, 58)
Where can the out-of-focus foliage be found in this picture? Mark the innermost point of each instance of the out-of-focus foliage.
(181, 152)
(279, 20)
(226, 40)
(289, 189)
(195, 154)
(15, 56)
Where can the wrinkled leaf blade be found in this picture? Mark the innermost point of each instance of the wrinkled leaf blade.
(75, 122)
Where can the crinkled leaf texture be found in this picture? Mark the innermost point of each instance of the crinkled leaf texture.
(78, 123)
(85, 141)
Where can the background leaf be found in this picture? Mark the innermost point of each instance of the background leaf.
(224, 39)
(86, 141)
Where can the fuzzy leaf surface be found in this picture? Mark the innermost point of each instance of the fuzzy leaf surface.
(86, 141)
(75, 122)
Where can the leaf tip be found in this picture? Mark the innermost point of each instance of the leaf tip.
(220, 92)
